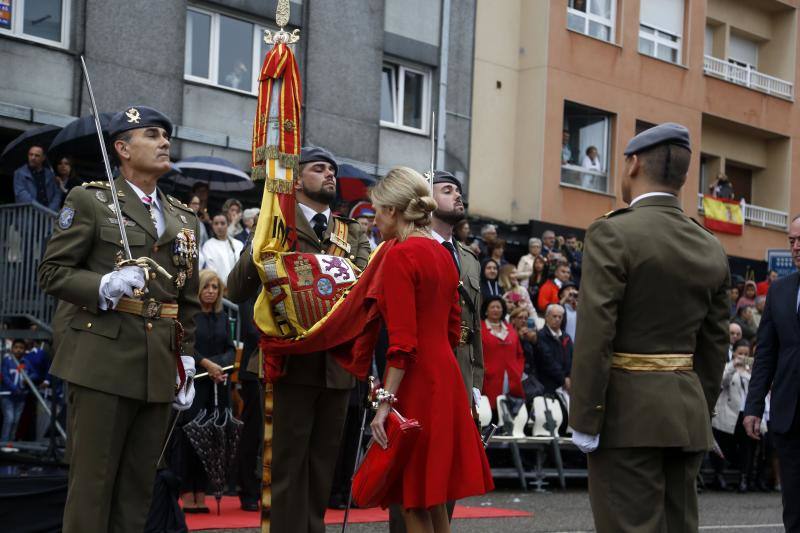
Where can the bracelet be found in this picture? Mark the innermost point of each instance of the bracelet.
(382, 396)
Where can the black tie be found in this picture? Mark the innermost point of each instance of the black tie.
(320, 225)
(452, 250)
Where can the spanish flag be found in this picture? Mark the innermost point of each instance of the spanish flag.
(724, 216)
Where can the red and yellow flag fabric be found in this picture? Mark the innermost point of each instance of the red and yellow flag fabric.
(724, 216)
(276, 153)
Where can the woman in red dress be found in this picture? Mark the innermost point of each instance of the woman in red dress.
(502, 353)
(419, 304)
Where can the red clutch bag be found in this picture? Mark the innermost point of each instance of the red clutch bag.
(381, 468)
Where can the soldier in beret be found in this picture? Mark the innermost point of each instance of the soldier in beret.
(310, 400)
(120, 352)
(651, 345)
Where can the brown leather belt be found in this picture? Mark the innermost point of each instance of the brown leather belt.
(147, 308)
(661, 362)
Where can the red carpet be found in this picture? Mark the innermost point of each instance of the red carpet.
(233, 517)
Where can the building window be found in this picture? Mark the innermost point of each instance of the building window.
(592, 17)
(43, 21)
(660, 29)
(405, 97)
(743, 52)
(220, 50)
(585, 147)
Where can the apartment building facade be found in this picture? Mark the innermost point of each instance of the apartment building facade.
(372, 70)
(556, 78)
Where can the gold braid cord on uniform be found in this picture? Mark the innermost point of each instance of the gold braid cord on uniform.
(666, 362)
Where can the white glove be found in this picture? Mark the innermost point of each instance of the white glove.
(476, 396)
(185, 396)
(585, 443)
(119, 283)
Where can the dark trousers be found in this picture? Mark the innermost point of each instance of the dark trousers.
(114, 443)
(249, 461)
(644, 490)
(307, 424)
(739, 449)
(788, 447)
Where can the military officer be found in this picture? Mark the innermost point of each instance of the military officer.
(310, 400)
(651, 345)
(121, 353)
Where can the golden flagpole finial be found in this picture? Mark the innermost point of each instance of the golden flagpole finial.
(282, 20)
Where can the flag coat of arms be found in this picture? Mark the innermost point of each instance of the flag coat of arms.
(723, 216)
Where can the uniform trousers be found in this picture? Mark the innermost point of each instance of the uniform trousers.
(788, 447)
(251, 440)
(644, 490)
(307, 431)
(114, 443)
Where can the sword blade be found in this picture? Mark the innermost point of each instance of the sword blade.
(106, 161)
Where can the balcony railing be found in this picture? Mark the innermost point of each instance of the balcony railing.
(757, 215)
(584, 178)
(748, 77)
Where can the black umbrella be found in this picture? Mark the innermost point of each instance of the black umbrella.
(215, 439)
(220, 174)
(79, 138)
(16, 153)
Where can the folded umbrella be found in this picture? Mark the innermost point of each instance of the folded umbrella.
(220, 174)
(79, 138)
(16, 153)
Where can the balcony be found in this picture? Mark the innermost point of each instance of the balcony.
(584, 178)
(756, 215)
(748, 77)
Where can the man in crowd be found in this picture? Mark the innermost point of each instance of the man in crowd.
(119, 353)
(775, 371)
(548, 294)
(763, 286)
(566, 151)
(568, 298)
(574, 257)
(36, 182)
(744, 317)
(310, 399)
(554, 352)
(758, 310)
(635, 346)
(13, 390)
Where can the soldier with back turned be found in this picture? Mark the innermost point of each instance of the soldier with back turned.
(651, 345)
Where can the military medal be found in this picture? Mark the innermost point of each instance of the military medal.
(180, 279)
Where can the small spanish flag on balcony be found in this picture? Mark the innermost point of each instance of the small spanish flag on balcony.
(724, 216)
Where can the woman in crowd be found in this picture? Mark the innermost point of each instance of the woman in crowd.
(195, 204)
(496, 251)
(591, 161)
(461, 232)
(525, 326)
(221, 252)
(214, 350)
(233, 213)
(65, 175)
(503, 357)
(538, 277)
(490, 272)
(525, 265)
(727, 425)
(510, 285)
(419, 307)
(749, 296)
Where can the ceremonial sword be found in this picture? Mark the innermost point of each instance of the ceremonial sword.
(145, 263)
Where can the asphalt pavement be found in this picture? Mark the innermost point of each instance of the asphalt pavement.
(569, 512)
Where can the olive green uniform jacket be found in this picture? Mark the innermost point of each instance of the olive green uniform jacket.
(654, 282)
(470, 355)
(110, 351)
(320, 369)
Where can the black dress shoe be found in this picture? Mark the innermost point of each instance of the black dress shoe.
(250, 506)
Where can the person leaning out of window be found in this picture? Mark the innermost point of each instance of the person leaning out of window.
(722, 188)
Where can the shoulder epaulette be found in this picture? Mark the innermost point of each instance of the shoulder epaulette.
(96, 184)
(346, 219)
(177, 203)
(702, 226)
(467, 249)
(615, 212)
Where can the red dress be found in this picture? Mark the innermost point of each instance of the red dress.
(419, 304)
(501, 356)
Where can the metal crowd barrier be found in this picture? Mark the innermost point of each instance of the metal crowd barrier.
(24, 232)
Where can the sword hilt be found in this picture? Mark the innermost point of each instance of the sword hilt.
(150, 268)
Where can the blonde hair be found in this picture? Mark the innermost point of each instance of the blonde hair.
(206, 276)
(409, 193)
(505, 278)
